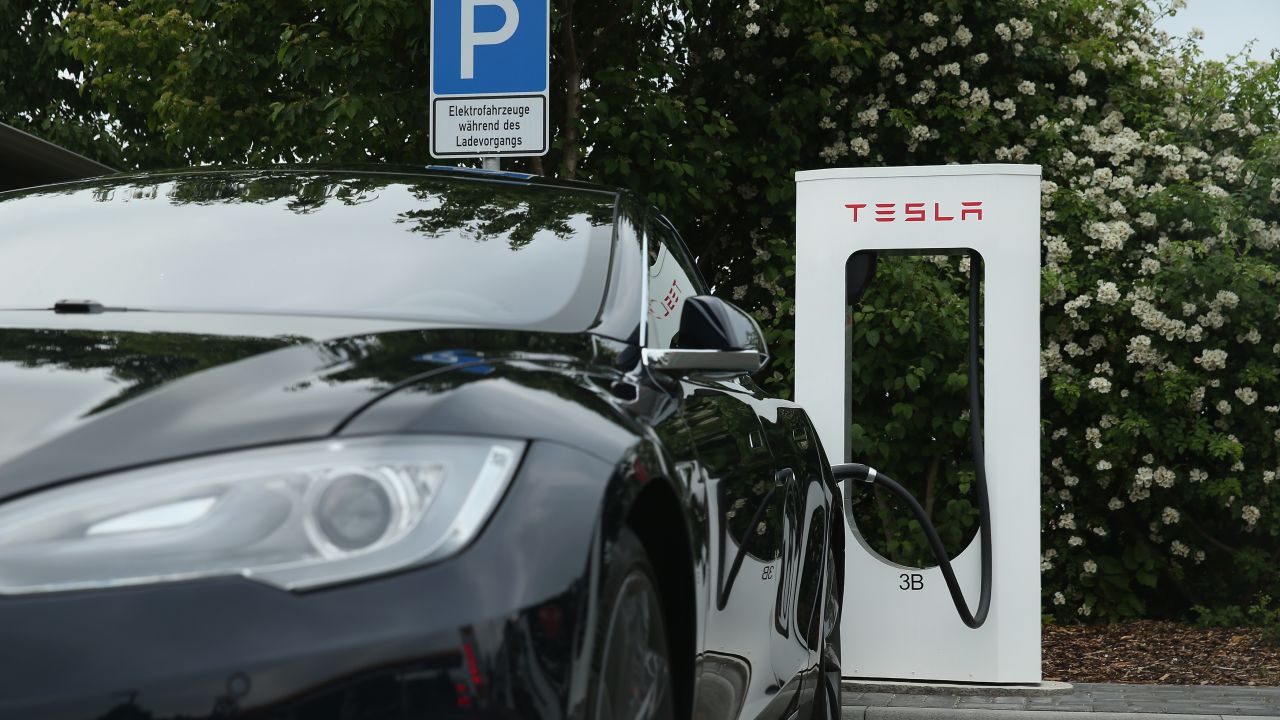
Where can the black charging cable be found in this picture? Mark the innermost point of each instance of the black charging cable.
(864, 473)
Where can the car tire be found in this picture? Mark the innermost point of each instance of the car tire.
(631, 671)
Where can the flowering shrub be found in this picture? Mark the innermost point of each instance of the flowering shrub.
(1161, 227)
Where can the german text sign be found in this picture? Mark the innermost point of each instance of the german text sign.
(489, 77)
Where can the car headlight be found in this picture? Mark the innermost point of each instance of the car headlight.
(295, 516)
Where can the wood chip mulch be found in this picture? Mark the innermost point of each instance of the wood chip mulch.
(1165, 653)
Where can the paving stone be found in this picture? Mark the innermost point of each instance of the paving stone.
(928, 701)
(1100, 701)
(870, 699)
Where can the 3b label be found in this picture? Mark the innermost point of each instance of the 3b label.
(911, 581)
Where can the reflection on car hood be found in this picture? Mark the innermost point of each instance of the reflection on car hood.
(86, 396)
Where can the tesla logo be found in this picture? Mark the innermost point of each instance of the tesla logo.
(917, 211)
(669, 301)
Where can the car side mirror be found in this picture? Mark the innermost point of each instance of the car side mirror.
(715, 336)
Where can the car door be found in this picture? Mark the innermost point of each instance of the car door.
(746, 500)
(797, 638)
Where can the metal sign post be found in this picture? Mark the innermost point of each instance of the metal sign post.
(490, 62)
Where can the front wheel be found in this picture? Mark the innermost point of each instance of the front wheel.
(631, 676)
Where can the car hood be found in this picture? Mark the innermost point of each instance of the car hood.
(80, 396)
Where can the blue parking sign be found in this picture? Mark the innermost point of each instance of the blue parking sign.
(485, 47)
(489, 77)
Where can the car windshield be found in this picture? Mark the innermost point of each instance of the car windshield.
(448, 250)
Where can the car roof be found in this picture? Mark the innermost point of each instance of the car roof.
(336, 170)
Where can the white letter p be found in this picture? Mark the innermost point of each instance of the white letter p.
(471, 38)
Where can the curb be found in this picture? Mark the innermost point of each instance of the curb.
(898, 687)
(861, 712)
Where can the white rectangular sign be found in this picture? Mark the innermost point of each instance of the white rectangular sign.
(490, 74)
(489, 126)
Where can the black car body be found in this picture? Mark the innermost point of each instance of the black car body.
(231, 401)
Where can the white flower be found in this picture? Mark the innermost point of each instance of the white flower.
(1247, 395)
(1211, 359)
(1197, 475)
(1067, 521)
(1108, 293)
(1224, 121)
(1115, 504)
(1100, 384)
(981, 59)
(1178, 549)
(890, 61)
(1170, 516)
(1103, 465)
(1026, 87)
(752, 29)
(1075, 541)
(1090, 567)
(1078, 78)
(1059, 599)
(1164, 477)
(1250, 515)
(1112, 235)
(1004, 32)
(1141, 352)
(963, 36)
(717, 53)
(1085, 610)
(929, 19)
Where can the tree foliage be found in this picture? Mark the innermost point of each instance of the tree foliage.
(1161, 415)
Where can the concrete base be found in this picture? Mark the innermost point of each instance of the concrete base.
(901, 687)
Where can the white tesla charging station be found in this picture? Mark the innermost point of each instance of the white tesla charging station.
(899, 622)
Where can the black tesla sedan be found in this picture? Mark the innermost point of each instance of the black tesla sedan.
(353, 444)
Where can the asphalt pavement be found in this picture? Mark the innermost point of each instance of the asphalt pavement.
(1100, 701)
